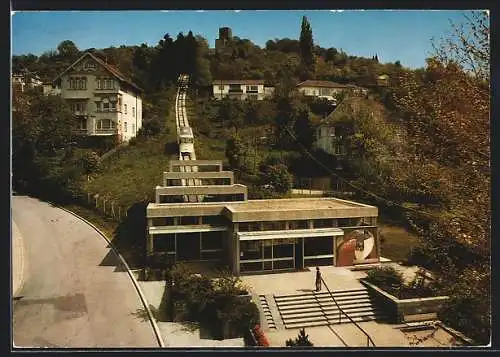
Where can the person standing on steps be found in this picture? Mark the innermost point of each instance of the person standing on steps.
(318, 279)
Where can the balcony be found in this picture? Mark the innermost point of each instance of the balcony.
(76, 94)
(108, 131)
(81, 131)
(80, 114)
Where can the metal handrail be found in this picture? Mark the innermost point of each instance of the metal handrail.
(368, 338)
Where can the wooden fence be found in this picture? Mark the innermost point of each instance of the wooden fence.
(106, 205)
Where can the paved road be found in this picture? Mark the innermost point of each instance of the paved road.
(75, 292)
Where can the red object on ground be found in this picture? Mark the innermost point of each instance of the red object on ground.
(260, 336)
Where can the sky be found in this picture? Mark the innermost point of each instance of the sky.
(394, 35)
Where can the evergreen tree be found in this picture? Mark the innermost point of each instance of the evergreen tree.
(306, 44)
(302, 340)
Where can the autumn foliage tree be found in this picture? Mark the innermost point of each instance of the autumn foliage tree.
(446, 112)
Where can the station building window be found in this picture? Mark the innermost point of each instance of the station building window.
(323, 223)
(249, 227)
(298, 224)
(211, 240)
(251, 250)
(273, 225)
(164, 243)
(171, 199)
(314, 246)
(214, 220)
(163, 221)
(267, 254)
(187, 220)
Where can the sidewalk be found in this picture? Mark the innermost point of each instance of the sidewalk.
(18, 264)
(337, 278)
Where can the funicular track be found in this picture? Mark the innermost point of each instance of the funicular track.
(182, 124)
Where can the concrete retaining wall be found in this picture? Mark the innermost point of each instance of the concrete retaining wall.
(417, 309)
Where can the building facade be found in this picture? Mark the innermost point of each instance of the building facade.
(249, 236)
(328, 140)
(24, 80)
(326, 89)
(49, 88)
(103, 101)
(383, 80)
(241, 89)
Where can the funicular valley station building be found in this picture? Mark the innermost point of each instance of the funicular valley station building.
(203, 215)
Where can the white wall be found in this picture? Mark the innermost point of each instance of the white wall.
(119, 117)
(218, 93)
(325, 134)
(133, 123)
(317, 91)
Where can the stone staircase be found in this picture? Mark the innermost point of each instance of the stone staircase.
(267, 312)
(318, 309)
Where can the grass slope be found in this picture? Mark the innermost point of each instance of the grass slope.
(131, 174)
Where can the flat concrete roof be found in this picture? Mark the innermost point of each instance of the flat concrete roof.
(155, 210)
(292, 204)
(268, 210)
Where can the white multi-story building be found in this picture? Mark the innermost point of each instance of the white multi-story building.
(326, 89)
(102, 99)
(241, 89)
(328, 140)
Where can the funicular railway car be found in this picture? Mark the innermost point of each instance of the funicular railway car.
(186, 141)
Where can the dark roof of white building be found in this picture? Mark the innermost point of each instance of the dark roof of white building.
(116, 73)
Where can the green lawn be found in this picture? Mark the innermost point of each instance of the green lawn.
(396, 242)
(131, 174)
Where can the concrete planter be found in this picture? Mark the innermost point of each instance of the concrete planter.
(245, 297)
(406, 310)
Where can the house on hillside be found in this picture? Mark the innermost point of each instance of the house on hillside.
(329, 139)
(24, 80)
(50, 88)
(327, 89)
(241, 89)
(383, 80)
(102, 99)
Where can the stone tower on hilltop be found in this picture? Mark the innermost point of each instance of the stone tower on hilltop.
(225, 35)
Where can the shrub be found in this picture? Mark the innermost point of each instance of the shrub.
(133, 141)
(151, 127)
(214, 303)
(90, 162)
(302, 340)
(385, 277)
(195, 291)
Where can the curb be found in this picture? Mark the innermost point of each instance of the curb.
(20, 248)
(131, 275)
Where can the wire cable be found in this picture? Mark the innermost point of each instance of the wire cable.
(358, 188)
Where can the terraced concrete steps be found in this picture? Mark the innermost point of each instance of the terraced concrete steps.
(267, 312)
(318, 308)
